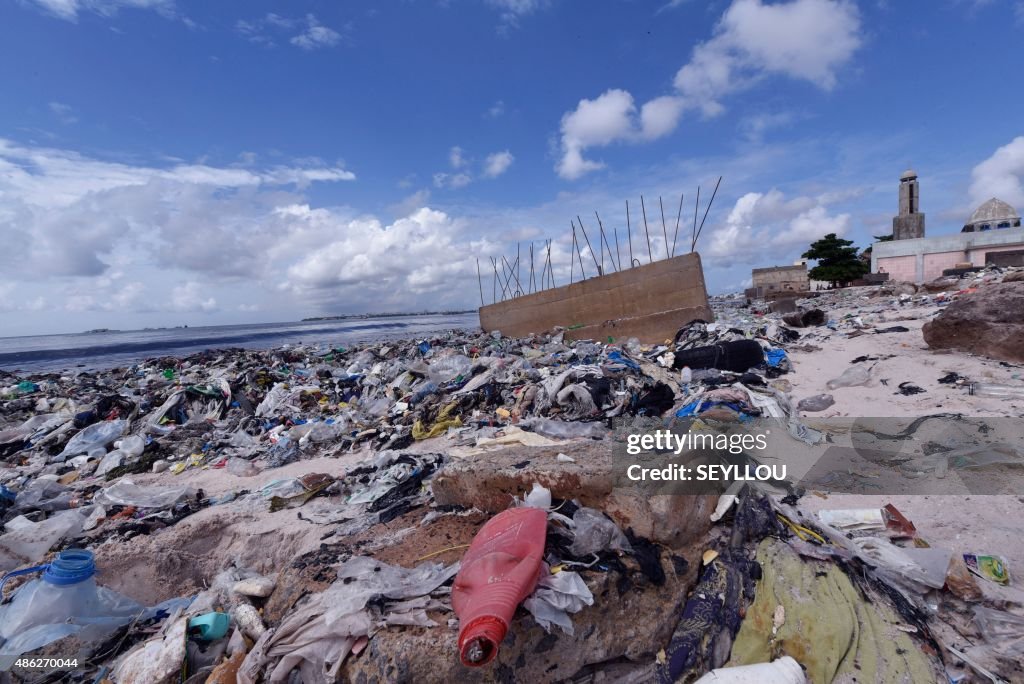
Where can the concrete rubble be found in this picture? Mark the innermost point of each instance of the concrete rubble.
(299, 514)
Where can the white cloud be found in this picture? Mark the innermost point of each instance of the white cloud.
(191, 297)
(411, 203)
(69, 9)
(497, 109)
(450, 180)
(456, 158)
(102, 242)
(511, 11)
(312, 34)
(64, 113)
(1001, 175)
(316, 35)
(802, 39)
(612, 117)
(68, 215)
(406, 256)
(766, 227)
(497, 163)
(670, 5)
(756, 125)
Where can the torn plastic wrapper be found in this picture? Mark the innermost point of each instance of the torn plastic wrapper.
(556, 596)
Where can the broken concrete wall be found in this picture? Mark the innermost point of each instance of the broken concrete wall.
(649, 302)
(490, 482)
(781, 278)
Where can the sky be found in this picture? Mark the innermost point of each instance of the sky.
(180, 162)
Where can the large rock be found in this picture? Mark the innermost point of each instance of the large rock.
(489, 481)
(989, 322)
(630, 622)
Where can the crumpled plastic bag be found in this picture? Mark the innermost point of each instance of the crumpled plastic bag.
(96, 435)
(578, 400)
(317, 636)
(555, 597)
(449, 368)
(126, 493)
(30, 542)
(594, 532)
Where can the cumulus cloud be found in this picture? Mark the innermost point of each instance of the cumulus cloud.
(96, 237)
(806, 40)
(1001, 175)
(497, 163)
(67, 215)
(803, 39)
(611, 117)
(767, 226)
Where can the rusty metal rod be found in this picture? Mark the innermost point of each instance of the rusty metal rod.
(591, 248)
(678, 216)
(664, 230)
(629, 235)
(693, 233)
(706, 212)
(479, 281)
(650, 255)
(611, 257)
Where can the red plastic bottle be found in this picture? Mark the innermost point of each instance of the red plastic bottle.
(500, 569)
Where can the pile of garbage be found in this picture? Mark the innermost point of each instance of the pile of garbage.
(399, 583)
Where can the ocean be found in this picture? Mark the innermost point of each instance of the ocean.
(102, 350)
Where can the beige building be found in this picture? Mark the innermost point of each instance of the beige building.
(779, 279)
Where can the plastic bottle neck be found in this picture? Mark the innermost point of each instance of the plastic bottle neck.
(70, 567)
(478, 642)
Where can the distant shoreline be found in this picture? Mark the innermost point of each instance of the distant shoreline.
(345, 317)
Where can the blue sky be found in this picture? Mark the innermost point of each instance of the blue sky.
(166, 162)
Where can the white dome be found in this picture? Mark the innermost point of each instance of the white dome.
(993, 211)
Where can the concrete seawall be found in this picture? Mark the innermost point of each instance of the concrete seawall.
(649, 302)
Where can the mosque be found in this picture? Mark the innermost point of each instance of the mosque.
(992, 235)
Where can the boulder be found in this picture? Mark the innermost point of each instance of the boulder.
(989, 322)
(489, 483)
(942, 284)
(897, 288)
(628, 622)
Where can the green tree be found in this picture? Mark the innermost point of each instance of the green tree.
(837, 260)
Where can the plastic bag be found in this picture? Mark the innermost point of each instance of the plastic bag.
(595, 532)
(96, 435)
(30, 542)
(132, 446)
(239, 467)
(555, 597)
(449, 368)
(127, 493)
(1003, 631)
(819, 402)
(559, 429)
(854, 376)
